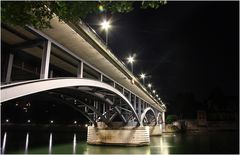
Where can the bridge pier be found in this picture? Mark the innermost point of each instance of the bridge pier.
(155, 130)
(125, 136)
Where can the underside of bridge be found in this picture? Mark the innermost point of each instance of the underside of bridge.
(68, 63)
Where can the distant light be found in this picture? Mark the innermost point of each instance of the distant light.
(105, 24)
(86, 125)
(7, 120)
(154, 91)
(130, 59)
(16, 104)
(100, 7)
(149, 85)
(75, 122)
(157, 95)
(29, 121)
(51, 121)
(142, 76)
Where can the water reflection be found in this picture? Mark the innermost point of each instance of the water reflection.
(4, 142)
(67, 143)
(50, 144)
(74, 143)
(26, 144)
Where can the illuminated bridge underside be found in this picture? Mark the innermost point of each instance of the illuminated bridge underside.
(84, 95)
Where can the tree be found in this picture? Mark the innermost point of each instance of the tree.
(39, 13)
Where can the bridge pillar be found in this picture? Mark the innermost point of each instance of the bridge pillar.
(125, 136)
(155, 130)
(163, 121)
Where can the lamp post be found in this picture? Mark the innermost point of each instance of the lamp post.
(131, 60)
(106, 25)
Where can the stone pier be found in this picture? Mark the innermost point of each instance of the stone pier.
(126, 136)
(155, 130)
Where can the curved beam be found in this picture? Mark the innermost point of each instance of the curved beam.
(15, 90)
(145, 112)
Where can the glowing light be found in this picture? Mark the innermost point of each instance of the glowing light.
(154, 91)
(100, 7)
(157, 95)
(149, 85)
(86, 125)
(7, 120)
(51, 121)
(105, 25)
(29, 121)
(142, 76)
(130, 59)
(75, 122)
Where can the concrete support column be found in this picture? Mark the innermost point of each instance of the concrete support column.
(163, 121)
(9, 67)
(80, 70)
(134, 102)
(125, 136)
(45, 60)
(155, 130)
(139, 107)
(129, 97)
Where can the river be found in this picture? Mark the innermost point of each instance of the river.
(75, 143)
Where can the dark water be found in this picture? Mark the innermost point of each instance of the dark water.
(70, 143)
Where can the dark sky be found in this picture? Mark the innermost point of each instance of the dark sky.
(184, 46)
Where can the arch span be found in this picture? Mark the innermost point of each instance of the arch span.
(20, 89)
(143, 116)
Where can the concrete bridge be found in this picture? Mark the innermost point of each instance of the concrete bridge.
(70, 63)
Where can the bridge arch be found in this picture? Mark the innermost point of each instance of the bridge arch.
(144, 115)
(20, 89)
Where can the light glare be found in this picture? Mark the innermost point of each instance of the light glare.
(142, 76)
(105, 25)
(130, 59)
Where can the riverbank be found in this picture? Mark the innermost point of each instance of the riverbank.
(211, 126)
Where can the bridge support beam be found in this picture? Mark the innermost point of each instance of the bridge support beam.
(155, 130)
(124, 136)
(163, 122)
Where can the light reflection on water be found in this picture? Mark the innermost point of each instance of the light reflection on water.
(74, 143)
(165, 144)
(26, 145)
(50, 144)
(4, 143)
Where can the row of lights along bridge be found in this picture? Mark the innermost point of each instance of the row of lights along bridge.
(105, 26)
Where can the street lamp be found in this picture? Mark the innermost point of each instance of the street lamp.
(106, 25)
(142, 76)
(149, 85)
(131, 60)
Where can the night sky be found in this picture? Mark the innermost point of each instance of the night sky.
(184, 46)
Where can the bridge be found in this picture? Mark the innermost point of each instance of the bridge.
(71, 63)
